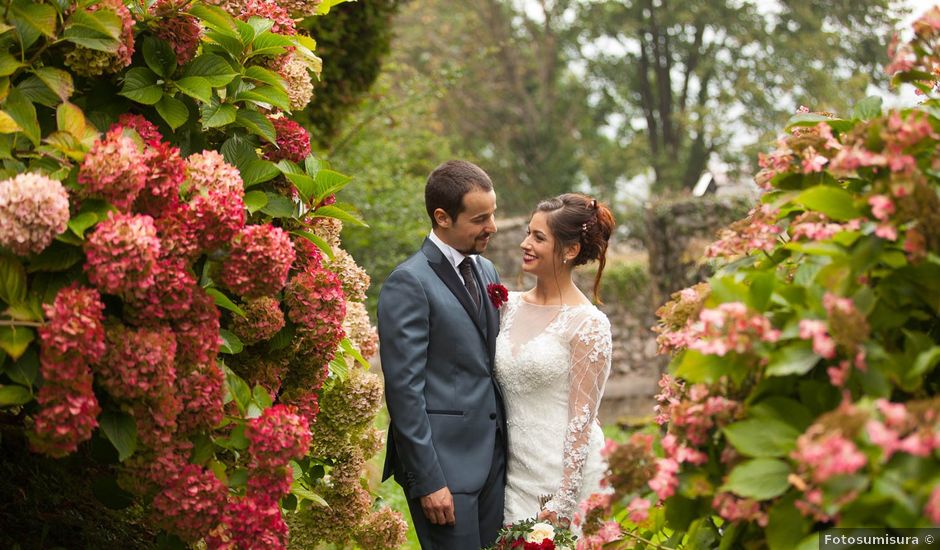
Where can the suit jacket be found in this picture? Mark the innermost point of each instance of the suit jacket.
(437, 352)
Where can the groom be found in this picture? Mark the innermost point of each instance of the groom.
(437, 334)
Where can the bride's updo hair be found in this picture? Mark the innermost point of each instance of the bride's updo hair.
(574, 218)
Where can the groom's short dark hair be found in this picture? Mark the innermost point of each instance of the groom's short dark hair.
(449, 182)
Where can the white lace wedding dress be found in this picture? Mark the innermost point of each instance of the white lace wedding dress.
(552, 363)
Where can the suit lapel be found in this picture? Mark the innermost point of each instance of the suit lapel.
(490, 314)
(445, 271)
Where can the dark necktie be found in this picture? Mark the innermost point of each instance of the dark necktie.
(466, 271)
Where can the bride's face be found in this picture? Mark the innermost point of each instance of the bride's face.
(539, 255)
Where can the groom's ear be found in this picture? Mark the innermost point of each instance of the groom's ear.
(442, 218)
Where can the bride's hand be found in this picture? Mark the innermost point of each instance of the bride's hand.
(552, 517)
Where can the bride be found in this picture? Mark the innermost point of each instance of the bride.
(552, 361)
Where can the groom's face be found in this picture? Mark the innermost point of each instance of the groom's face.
(475, 224)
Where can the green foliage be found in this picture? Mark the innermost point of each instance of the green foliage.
(355, 39)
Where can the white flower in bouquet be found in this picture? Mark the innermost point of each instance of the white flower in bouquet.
(541, 531)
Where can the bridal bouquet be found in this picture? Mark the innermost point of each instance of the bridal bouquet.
(532, 534)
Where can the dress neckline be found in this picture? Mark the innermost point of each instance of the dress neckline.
(562, 306)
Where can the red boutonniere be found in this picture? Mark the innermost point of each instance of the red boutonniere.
(498, 294)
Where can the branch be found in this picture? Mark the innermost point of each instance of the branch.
(16, 323)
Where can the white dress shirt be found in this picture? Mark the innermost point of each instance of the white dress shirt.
(451, 253)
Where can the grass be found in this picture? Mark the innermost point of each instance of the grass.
(390, 492)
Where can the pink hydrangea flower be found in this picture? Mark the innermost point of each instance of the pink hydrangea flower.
(259, 261)
(251, 523)
(728, 327)
(68, 412)
(812, 161)
(181, 30)
(756, 232)
(90, 62)
(192, 503)
(165, 175)
(33, 210)
(202, 391)
(283, 23)
(276, 437)
(197, 334)
(138, 362)
(823, 344)
(666, 480)
(828, 455)
(638, 510)
(122, 254)
(115, 169)
(315, 301)
(293, 69)
(214, 208)
(887, 232)
(74, 326)
(293, 141)
(732, 509)
(168, 298)
(881, 206)
(144, 128)
(932, 508)
(263, 319)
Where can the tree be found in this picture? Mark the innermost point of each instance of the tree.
(706, 78)
(353, 41)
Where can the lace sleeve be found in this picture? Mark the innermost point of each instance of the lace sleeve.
(590, 365)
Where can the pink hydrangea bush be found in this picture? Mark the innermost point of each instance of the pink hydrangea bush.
(803, 382)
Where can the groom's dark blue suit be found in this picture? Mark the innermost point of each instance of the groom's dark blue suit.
(447, 419)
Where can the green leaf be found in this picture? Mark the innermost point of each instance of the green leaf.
(759, 478)
(25, 370)
(71, 119)
(324, 7)
(266, 76)
(336, 211)
(925, 362)
(317, 240)
(224, 301)
(264, 96)
(36, 91)
(256, 123)
(868, 108)
(786, 525)
(238, 389)
(261, 397)
(32, 20)
(12, 280)
(279, 206)
(195, 87)
(121, 431)
(258, 171)
(8, 63)
(159, 56)
(140, 85)
(213, 68)
(81, 222)
(173, 111)
(783, 408)
(23, 112)
(831, 201)
(57, 80)
(761, 289)
(231, 344)
(15, 340)
(255, 200)
(214, 17)
(7, 124)
(269, 43)
(57, 257)
(219, 116)
(14, 395)
(260, 24)
(762, 437)
(304, 184)
(246, 33)
(303, 493)
(348, 348)
(339, 368)
(797, 358)
(98, 30)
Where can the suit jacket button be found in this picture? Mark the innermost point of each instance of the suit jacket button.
(492, 416)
